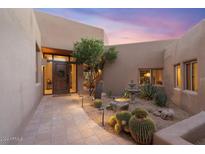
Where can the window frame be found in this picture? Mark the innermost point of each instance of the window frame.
(191, 62)
(176, 76)
(150, 70)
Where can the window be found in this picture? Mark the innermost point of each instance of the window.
(191, 76)
(177, 76)
(37, 63)
(153, 76)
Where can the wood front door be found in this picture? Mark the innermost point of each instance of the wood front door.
(60, 77)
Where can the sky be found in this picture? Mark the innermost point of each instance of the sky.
(127, 25)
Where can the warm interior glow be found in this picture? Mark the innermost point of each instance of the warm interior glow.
(157, 77)
(48, 88)
(178, 80)
(147, 74)
(194, 77)
(73, 78)
(60, 58)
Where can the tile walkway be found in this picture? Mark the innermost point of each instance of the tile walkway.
(61, 120)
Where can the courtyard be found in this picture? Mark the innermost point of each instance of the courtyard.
(61, 120)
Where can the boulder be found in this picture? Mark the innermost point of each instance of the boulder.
(166, 114)
(119, 105)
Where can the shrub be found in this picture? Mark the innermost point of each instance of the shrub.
(141, 129)
(160, 99)
(147, 91)
(112, 121)
(97, 103)
(123, 116)
(140, 113)
(126, 94)
(117, 128)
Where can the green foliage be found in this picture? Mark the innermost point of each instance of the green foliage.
(123, 116)
(97, 103)
(141, 130)
(112, 121)
(140, 113)
(126, 94)
(117, 128)
(92, 54)
(88, 51)
(148, 91)
(111, 54)
(160, 99)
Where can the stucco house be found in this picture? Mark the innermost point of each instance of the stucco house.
(36, 60)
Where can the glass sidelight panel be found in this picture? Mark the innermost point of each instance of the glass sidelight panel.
(73, 78)
(48, 83)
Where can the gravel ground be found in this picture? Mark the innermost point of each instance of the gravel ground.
(96, 115)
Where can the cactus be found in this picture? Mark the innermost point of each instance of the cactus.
(148, 91)
(139, 113)
(97, 103)
(160, 99)
(141, 129)
(117, 128)
(124, 117)
(112, 121)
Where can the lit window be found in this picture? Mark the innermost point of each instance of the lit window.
(191, 76)
(177, 76)
(60, 58)
(153, 76)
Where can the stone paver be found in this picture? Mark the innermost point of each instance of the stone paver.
(61, 120)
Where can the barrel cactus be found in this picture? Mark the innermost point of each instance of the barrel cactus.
(117, 128)
(97, 103)
(112, 121)
(124, 117)
(141, 128)
(140, 112)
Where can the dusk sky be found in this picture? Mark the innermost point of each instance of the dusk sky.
(135, 25)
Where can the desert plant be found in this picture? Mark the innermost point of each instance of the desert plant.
(124, 117)
(112, 121)
(117, 128)
(126, 94)
(148, 91)
(140, 113)
(97, 103)
(160, 99)
(93, 55)
(141, 129)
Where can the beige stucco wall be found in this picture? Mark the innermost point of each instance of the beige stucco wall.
(130, 58)
(61, 33)
(190, 46)
(19, 93)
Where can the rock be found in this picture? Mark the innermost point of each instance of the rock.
(119, 105)
(167, 114)
(157, 113)
(98, 90)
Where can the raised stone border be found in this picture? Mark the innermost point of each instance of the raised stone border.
(184, 132)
